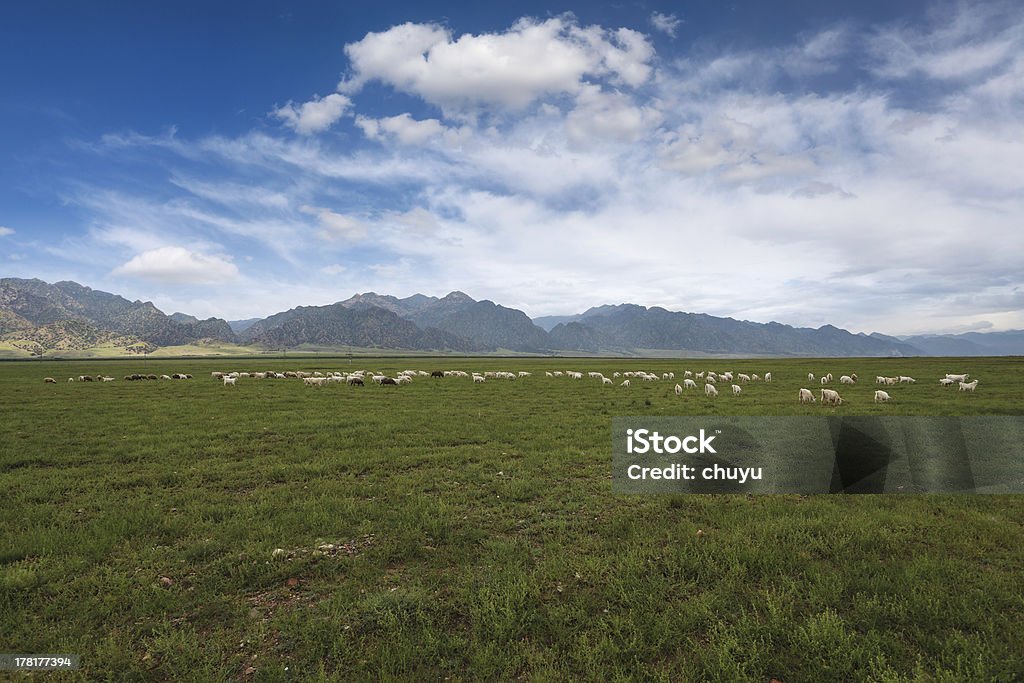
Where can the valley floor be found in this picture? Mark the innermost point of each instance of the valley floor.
(185, 530)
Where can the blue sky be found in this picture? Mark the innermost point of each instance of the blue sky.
(803, 162)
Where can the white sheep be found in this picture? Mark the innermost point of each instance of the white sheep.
(945, 381)
(625, 383)
(478, 379)
(907, 380)
(605, 381)
(846, 379)
(831, 396)
(679, 390)
(958, 378)
(229, 380)
(768, 377)
(743, 378)
(881, 396)
(824, 380)
(737, 390)
(881, 380)
(810, 376)
(710, 390)
(688, 373)
(968, 386)
(689, 384)
(806, 396)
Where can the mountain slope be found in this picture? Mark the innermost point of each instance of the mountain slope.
(40, 303)
(338, 324)
(629, 326)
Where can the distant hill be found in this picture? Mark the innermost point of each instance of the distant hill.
(484, 324)
(239, 326)
(37, 317)
(1008, 343)
(30, 304)
(339, 325)
(628, 326)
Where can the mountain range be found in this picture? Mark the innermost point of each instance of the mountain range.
(38, 317)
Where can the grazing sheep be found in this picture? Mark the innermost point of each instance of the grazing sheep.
(754, 376)
(679, 390)
(768, 377)
(846, 379)
(711, 380)
(710, 390)
(945, 381)
(830, 396)
(881, 380)
(824, 380)
(71, 379)
(699, 375)
(107, 379)
(806, 396)
(689, 384)
(625, 383)
(968, 386)
(810, 376)
(389, 380)
(744, 378)
(907, 380)
(478, 379)
(165, 376)
(216, 375)
(881, 396)
(229, 380)
(829, 375)
(737, 390)
(605, 381)
(687, 374)
(958, 378)
(49, 380)
(354, 381)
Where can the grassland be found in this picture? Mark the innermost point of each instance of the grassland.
(475, 533)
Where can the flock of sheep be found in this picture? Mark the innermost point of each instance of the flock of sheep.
(128, 378)
(624, 379)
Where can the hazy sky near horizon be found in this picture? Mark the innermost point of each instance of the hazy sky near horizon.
(796, 161)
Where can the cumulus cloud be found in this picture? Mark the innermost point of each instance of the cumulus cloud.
(177, 265)
(666, 23)
(5, 231)
(603, 180)
(507, 70)
(314, 116)
(404, 128)
(336, 226)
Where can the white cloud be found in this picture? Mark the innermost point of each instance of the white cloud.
(335, 226)
(602, 117)
(511, 69)
(404, 128)
(333, 269)
(177, 265)
(849, 204)
(666, 23)
(314, 116)
(5, 231)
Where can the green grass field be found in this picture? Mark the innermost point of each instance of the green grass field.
(474, 534)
